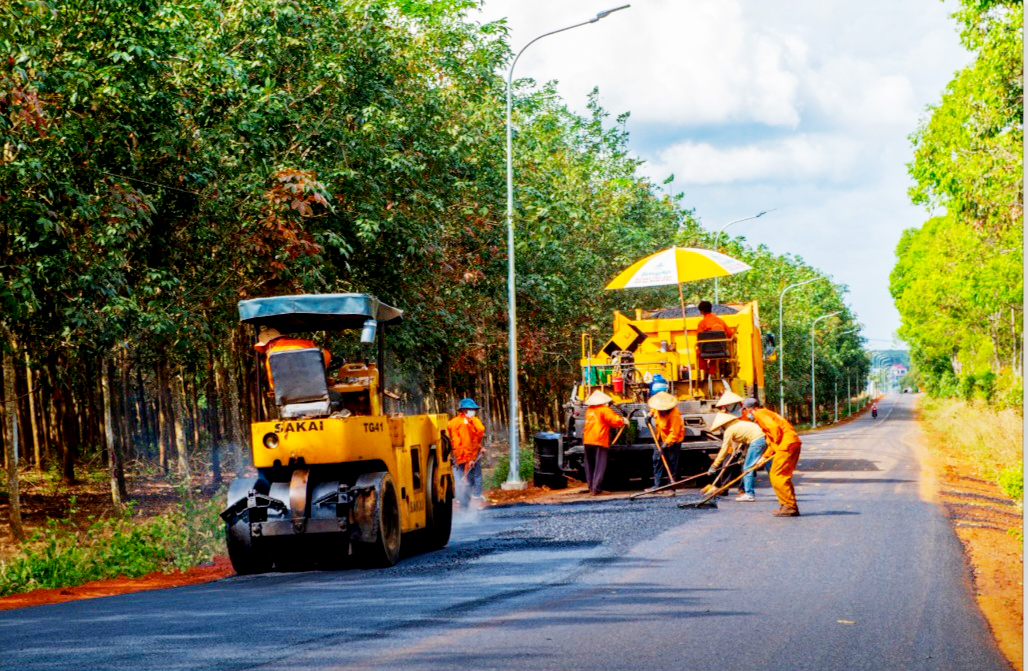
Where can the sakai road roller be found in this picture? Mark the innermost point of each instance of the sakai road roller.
(659, 350)
(336, 477)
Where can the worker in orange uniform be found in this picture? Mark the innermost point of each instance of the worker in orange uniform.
(466, 432)
(599, 420)
(783, 448)
(670, 432)
(269, 340)
(709, 322)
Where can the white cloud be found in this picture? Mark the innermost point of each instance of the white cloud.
(852, 92)
(793, 159)
(682, 63)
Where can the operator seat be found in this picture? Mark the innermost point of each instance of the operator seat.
(301, 389)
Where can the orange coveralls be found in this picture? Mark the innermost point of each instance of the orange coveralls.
(670, 428)
(599, 420)
(783, 446)
(466, 435)
(710, 322)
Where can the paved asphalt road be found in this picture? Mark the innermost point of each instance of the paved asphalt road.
(870, 577)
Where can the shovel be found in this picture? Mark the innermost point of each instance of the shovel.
(663, 487)
(709, 502)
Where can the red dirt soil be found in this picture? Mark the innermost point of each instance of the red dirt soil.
(101, 588)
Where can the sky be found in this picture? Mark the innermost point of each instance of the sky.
(803, 107)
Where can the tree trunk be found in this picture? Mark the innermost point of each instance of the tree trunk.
(163, 430)
(115, 474)
(32, 415)
(213, 427)
(181, 448)
(11, 443)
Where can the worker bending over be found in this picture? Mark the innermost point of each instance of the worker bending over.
(670, 433)
(783, 448)
(599, 420)
(466, 432)
(739, 434)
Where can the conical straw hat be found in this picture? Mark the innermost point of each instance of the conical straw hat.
(662, 401)
(722, 419)
(728, 398)
(598, 398)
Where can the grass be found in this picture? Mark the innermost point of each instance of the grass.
(991, 439)
(526, 468)
(63, 554)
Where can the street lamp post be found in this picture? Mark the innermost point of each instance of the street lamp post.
(781, 345)
(813, 396)
(513, 478)
(717, 240)
(847, 381)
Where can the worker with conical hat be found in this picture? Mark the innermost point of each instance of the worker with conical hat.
(783, 448)
(599, 420)
(670, 431)
(738, 434)
(730, 402)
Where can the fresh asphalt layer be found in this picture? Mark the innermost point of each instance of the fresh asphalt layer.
(869, 578)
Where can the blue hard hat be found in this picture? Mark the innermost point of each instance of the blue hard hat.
(467, 404)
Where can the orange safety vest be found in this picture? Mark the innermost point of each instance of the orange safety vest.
(780, 434)
(711, 322)
(466, 435)
(599, 420)
(670, 428)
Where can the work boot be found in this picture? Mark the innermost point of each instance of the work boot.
(786, 512)
(745, 497)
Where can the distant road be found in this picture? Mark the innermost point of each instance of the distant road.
(869, 578)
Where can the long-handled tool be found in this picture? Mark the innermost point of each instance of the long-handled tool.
(709, 502)
(731, 461)
(654, 490)
(660, 450)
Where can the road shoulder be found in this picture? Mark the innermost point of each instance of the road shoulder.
(986, 521)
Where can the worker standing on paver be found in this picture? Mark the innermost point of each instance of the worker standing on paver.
(709, 322)
(670, 433)
(466, 432)
(740, 434)
(783, 448)
(599, 420)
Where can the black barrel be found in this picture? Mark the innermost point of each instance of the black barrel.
(547, 462)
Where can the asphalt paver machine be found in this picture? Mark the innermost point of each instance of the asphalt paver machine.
(336, 477)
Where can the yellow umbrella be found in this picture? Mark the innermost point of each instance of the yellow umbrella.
(676, 265)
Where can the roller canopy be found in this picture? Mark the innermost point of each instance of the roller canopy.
(317, 312)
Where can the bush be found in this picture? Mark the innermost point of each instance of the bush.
(967, 385)
(1012, 483)
(62, 556)
(526, 468)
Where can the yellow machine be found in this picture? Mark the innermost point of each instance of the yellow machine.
(659, 350)
(336, 476)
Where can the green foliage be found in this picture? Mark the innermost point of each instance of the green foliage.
(63, 556)
(1012, 483)
(958, 282)
(526, 469)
